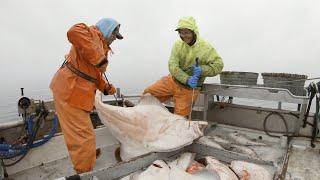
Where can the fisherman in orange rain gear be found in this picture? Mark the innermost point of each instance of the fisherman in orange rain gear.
(74, 86)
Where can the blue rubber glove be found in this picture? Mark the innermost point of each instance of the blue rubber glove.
(196, 71)
(193, 81)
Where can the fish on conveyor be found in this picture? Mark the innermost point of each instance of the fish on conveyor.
(219, 139)
(159, 169)
(243, 150)
(240, 139)
(176, 170)
(220, 143)
(250, 171)
(147, 127)
(195, 167)
(209, 142)
(183, 161)
(224, 172)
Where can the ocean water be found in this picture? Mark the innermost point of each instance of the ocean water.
(10, 96)
(9, 99)
(9, 102)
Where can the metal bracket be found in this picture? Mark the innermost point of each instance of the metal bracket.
(259, 93)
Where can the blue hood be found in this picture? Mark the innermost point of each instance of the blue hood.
(106, 26)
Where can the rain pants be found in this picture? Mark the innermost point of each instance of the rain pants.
(167, 87)
(180, 66)
(74, 96)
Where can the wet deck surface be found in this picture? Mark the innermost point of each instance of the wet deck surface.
(51, 160)
(304, 161)
(272, 152)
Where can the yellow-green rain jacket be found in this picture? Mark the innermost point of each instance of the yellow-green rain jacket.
(183, 56)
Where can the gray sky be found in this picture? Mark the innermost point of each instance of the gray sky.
(249, 35)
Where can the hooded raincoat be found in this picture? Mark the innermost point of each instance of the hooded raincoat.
(183, 56)
(180, 66)
(74, 95)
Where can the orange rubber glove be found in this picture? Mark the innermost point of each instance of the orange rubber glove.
(109, 90)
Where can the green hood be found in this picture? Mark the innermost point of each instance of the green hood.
(189, 23)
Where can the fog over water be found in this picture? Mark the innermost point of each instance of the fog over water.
(250, 35)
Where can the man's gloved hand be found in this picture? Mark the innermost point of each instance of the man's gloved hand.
(109, 90)
(193, 81)
(196, 71)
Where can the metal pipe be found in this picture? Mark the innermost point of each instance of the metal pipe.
(131, 96)
(118, 93)
(11, 124)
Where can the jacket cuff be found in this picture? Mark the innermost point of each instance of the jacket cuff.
(102, 62)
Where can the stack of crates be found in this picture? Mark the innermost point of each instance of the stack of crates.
(293, 82)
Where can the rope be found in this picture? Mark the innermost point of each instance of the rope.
(191, 106)
(115, 97)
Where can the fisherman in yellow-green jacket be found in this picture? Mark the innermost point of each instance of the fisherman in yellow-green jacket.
(186, 73)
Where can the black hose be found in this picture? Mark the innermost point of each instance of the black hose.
(315, 130)
(311, 92)
(283, 120)
(5, 173)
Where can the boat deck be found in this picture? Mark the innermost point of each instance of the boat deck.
(51, 160)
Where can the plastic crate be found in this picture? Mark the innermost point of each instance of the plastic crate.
(239, 78)
(293, 82)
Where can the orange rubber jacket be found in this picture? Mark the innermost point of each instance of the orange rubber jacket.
(88, 49)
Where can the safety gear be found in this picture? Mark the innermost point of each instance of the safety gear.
(74, 92)
(88, 49)
(109, 90)
(183, 56)
(196, 71)
(78, 134)
(107, 26)
(167, 88)
(193, 81)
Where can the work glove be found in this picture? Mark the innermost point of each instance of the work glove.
(196, 71)
(109, 90)
(193, 81)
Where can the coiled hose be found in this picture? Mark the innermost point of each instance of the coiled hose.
(8, 151)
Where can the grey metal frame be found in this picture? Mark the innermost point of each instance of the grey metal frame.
(260, 93)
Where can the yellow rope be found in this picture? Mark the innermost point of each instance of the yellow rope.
(191, 107)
